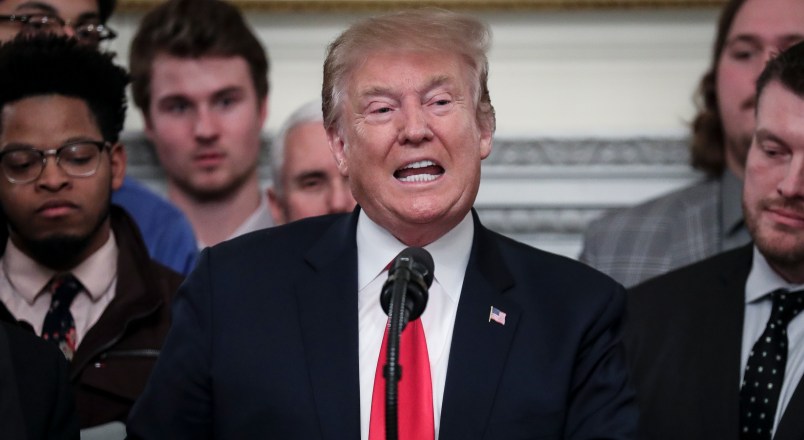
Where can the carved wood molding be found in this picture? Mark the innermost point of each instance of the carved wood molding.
(520, 162)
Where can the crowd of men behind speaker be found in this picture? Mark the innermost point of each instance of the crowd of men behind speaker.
(706, 343)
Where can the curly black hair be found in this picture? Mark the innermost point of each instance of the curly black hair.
(49, 64)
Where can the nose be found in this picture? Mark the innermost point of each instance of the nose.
(341, 199)
(53, 177)
(792, 184)
(205, 127)
(415, 126)
(68, 30)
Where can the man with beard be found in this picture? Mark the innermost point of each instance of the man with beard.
(199, 75)
(693, 223)
(74, 268)
(167, 233)
(689, 330)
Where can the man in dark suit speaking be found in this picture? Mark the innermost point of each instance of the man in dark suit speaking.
(278, 334)
(718, 346)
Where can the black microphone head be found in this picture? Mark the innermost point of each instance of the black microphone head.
(414, 267)
(422, 262)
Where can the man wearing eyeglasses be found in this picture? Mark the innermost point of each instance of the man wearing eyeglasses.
(73, 267)
(167, 233)
(84, 20)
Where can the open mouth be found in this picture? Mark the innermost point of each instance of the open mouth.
(421, 171)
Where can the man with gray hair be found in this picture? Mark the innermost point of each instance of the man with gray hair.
(306, 181)
(280, 334)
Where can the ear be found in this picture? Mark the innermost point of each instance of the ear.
(263, 111)
(276, 206)
(486, 141)
(149, 127)
(118, 158)
(338, 147)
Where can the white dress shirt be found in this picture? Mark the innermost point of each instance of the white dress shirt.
(762, 280)
(376, 247)
(23, 280)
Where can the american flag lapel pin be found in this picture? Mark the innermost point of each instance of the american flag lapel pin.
(497, 315)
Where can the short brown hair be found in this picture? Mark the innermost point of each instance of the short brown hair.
(193, 29)
(708, 148)
(787, 68)
(428, 29)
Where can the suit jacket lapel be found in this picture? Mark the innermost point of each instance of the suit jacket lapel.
(791, 425)
(327, 298)
(719, 340)
(479, 346)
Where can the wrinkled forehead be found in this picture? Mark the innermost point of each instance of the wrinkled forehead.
(367, 75)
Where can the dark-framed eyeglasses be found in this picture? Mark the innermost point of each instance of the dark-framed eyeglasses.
(87, 33)
(24, 163)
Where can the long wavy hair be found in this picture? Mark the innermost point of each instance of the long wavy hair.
(708, 149)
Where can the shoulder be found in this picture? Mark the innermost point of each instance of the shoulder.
(577, 283)
(152, 212)
(670, 206)
(277, 245)
(671, 295)
(134, 196)
(688, 280)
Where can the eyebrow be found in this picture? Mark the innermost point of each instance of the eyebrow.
(229, 90)
(763, 134)
(50, 9)
(385, 91)
(38, 5)
(317, 174)
(753, 39)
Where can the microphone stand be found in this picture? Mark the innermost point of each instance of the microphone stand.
(392, 370)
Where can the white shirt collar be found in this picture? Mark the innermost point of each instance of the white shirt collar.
(28, 277)
(763, 280)
(376, 247)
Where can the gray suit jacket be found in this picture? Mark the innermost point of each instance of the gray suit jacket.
(680, 228)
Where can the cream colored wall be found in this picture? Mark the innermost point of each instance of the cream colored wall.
(558, 73)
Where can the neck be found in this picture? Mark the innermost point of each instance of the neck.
(216, 220)
(421, 235)
(793, 273)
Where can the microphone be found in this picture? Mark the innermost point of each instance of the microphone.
(403, 298)
(411, 273)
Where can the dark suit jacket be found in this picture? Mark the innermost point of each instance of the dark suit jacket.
(684, 339)
(36, 401)
(265, 345)
(113, 362)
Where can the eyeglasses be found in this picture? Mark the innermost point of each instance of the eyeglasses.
(24, 164)
(87, 33)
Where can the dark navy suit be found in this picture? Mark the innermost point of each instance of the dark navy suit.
(264, 344)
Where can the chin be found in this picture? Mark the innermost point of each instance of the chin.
(781, 248)
(58, 250)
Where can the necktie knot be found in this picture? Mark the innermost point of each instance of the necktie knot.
(786, 305)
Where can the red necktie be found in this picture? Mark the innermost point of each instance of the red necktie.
(415, 388)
